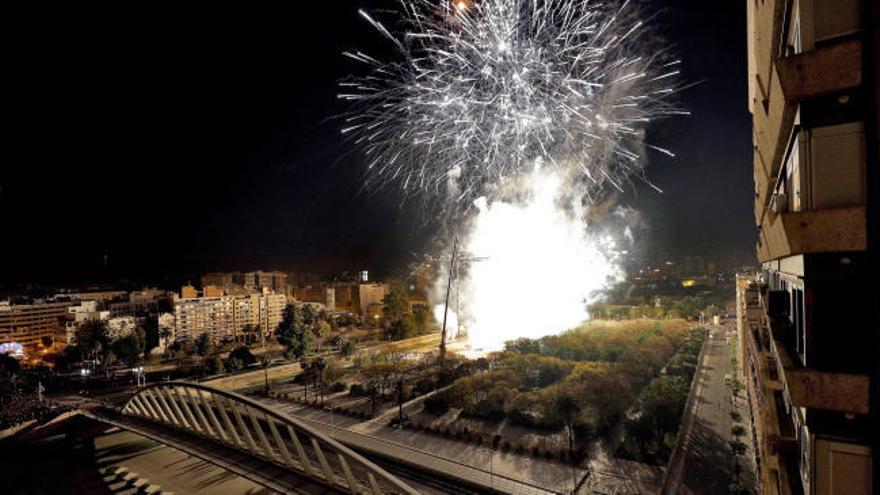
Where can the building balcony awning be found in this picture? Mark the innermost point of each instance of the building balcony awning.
(819, 231)
(822, 71)
(814, 389)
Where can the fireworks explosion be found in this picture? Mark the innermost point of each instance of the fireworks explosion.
(483, 93)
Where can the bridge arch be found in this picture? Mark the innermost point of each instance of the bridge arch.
(245, 424)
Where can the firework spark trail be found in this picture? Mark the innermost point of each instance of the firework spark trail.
(480, 91)
(511, 118)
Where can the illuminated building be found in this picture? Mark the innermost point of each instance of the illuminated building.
(271, 311)
(276, 281)
(808, 323)
(371, 299)
(30, 324)
(323, 295)
(224, 317)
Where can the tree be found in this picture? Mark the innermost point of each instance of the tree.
(151, 333)
(250, 332)
(523, 345)
(46, 340)
(400, 373)
(662, 402)
(319, 365)
(204, 345)
(130, 349)
(165, 334)
(568, 409)
(396, 303)
(346, 348)
(309, 314)
(320, 329)
(265, 361)
(735, 387)
(327, 371)
(423, 321)
(215, 366)
(234, 364)
(402, 328)
(737, 447)
(737, 430)
(8, 365)
(243, 355)
(93, 340)
(294, 333)
(374, 375)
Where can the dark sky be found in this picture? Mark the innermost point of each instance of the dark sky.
(176, 141)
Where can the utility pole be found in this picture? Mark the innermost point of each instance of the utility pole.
(446, 305)
(453, 274)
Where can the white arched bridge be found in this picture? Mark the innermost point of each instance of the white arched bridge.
(317, 463)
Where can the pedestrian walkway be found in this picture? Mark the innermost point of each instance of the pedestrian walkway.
(509, 473)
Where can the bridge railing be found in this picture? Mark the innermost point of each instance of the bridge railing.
(245, 424)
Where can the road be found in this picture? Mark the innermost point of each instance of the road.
(705, 463)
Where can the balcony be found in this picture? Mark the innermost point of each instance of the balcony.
(819, 231)
(814, 389)
(822, 71)
(842, 392)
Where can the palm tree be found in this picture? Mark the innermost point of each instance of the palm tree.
(265, 360)
(165, 335)
(568, 408)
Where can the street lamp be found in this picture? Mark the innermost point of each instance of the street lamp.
(140, 377)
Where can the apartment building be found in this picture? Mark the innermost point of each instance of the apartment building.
(271, 311)
(274, 281)
(324, 295)
(225, 317)
(30, 324)
(371, 299)
(808, 321)
(217, 279)
(194, 316)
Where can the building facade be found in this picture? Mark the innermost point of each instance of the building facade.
(194, 316)
(808, 322)
(32, 324)
(217, 279)
(227, 317)
(371, 299)
(325, 295)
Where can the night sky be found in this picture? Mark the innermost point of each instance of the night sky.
(178, 141)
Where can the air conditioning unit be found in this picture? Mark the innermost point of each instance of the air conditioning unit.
(779, 203)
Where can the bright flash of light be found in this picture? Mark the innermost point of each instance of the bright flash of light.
(542, 268)
(480, 90)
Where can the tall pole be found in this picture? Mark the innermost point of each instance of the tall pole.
(446, 305)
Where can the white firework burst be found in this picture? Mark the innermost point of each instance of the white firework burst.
(482, 91)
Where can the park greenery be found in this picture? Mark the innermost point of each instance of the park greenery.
(400, 321)
(586, 381)
(652, 424)
(687, 306)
